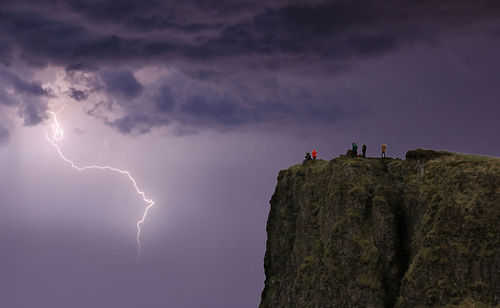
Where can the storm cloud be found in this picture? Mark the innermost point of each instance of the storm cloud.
(123, 31)
(213, 45)
(122, 83)
(77, 95)
(29, 97)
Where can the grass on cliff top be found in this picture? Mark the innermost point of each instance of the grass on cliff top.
(314, 163)
(417, 154)
(432, 154)
(475, 157)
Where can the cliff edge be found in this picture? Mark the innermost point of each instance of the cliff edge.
(353, 232)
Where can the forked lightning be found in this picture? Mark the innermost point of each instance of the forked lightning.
(58, 135)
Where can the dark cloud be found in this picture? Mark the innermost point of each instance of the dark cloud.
(136, 124)
(212, 43)
(122, 82)
(225, 111)
(33, 112)
(5, 98)
(24, 87)
(27, 96)
(222, 111)
(165, 101)
(203, 74)
(5, 53)
(78, 95)
(339, 30)
(40, 38)
(98, 108)
(112, 10)
(4, 135)
(162, 23)
(148, 15)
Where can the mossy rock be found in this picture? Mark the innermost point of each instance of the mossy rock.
(420, 232)
(424, 154)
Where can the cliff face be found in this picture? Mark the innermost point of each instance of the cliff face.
(355, 232)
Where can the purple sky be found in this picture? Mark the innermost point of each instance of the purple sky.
(204, 102)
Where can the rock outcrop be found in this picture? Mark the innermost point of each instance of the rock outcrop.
(371, 232)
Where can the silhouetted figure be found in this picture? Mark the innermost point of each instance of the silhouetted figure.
(354, 149)
(314, 154)
(308, 157)
(363, 148)
(384, 147)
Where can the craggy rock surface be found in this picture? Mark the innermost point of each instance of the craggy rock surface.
(355, 232)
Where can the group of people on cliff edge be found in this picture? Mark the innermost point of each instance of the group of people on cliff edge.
(354, 152)
(309, 157)
(364, 148)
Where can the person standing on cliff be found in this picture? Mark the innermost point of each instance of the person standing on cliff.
(308, 157)
(384, 147)
(354, 149)
(314, 154)
(363, 148)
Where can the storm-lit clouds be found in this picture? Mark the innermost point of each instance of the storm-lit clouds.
(136, 104)
(213, 45)
(94, 33)
(122, 83)
(28, 97)
(77, 95)
(23, 87)
(165, 101)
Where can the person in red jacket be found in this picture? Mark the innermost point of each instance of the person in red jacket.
(314, 154)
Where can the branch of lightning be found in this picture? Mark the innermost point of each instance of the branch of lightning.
(58, 135)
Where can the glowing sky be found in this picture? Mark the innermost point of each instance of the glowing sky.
(204, 102)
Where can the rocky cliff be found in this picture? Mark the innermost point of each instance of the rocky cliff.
(353, 232)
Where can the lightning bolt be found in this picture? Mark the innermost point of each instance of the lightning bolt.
(58, 135)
